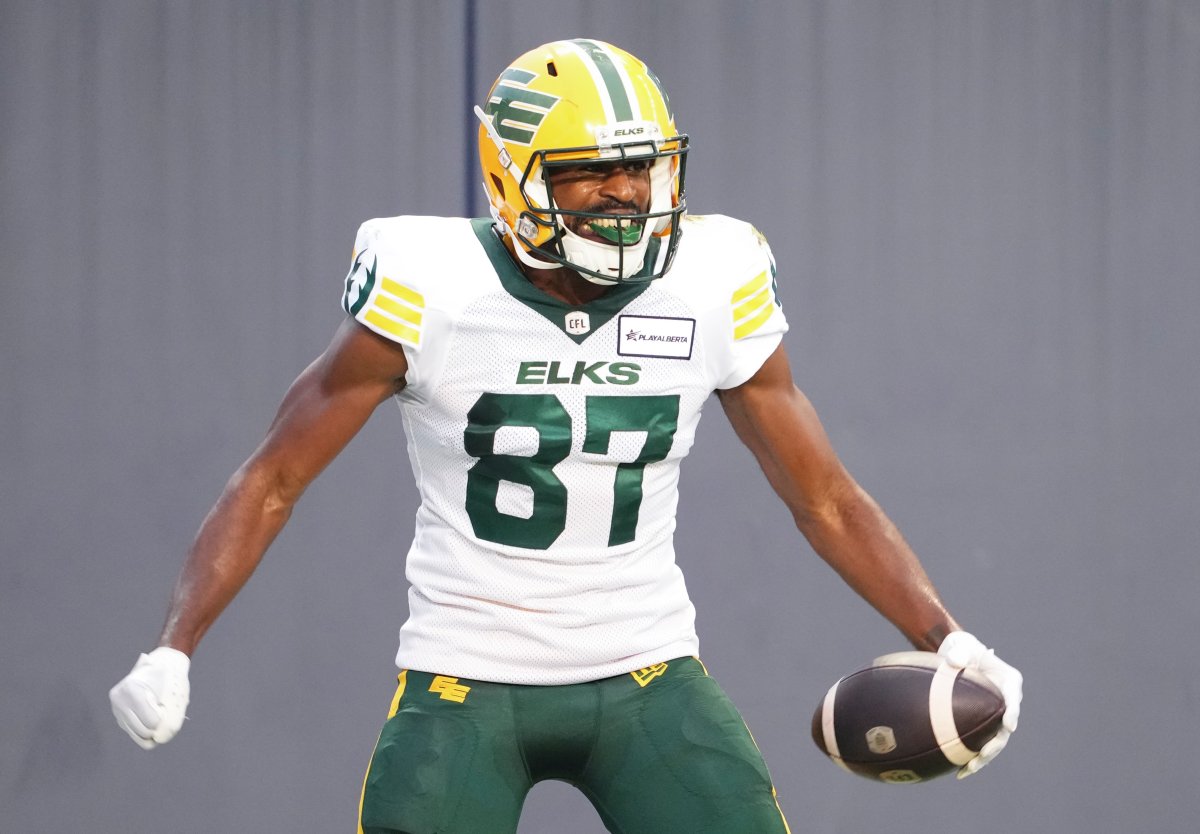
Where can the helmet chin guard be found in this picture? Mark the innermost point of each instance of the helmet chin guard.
(572, 103)
(622, 262)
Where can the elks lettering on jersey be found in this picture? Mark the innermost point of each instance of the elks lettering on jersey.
(559, 373)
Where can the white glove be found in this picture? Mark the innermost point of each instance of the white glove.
(962, 651)
(150, 701)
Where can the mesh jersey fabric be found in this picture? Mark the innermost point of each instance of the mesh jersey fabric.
(546, 441)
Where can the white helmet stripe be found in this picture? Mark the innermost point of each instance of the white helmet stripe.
(597, 80)
(611, 80)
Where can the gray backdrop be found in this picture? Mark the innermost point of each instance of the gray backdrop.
(987, 216)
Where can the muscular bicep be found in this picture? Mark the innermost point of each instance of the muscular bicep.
(326, 406)
(780, 427)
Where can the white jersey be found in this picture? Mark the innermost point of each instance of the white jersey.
(546, 441)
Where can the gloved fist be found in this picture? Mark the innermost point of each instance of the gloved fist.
(963, 651)
(150, 701)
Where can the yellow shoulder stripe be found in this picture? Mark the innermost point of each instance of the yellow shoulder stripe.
(390, 325)
(744, 329)
(397, 310)
(754, 285)
(746, 308)
(755, 308)
(400, 311)
(402, 292)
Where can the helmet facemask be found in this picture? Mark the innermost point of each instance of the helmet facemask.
(579, 103)
(628, 239)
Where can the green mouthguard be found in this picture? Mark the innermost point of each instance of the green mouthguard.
(627, 234)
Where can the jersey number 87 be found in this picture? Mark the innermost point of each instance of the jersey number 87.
(657, 416)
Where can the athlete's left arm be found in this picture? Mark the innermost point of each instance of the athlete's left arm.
(841, 521)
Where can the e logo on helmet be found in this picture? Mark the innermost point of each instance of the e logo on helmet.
(516, 110)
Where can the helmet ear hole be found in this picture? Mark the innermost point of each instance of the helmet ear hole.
(499, 183)
(552, 69)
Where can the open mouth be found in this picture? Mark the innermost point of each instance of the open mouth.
(623, 232)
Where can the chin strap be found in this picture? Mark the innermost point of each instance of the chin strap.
(529, 259)
(506, 162)
(505, 158)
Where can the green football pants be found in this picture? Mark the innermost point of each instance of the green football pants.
(656, 751)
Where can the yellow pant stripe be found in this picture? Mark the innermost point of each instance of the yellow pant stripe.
(403, 682)
(775, 795)
(392, 710)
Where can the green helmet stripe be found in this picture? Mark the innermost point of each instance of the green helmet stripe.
(611, 76)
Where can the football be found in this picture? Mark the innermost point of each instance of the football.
(907, 718)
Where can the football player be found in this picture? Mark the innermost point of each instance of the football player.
(550, 363)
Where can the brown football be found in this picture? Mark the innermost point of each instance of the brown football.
(906, 718)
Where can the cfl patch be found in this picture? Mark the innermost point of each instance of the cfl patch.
(657, 336)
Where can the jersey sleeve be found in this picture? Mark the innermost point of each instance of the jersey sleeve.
(748, 323)
(376, 294)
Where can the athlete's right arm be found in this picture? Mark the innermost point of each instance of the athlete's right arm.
(324, 408)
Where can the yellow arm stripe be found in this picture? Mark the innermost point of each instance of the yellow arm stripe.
(752, 305)
(749, 326)
(757, 283)
(402, 292)
(390, 305)
(389, 325)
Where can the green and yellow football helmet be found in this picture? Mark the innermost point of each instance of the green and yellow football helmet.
(563, 104)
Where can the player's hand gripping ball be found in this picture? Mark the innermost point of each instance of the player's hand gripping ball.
(908, 717)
